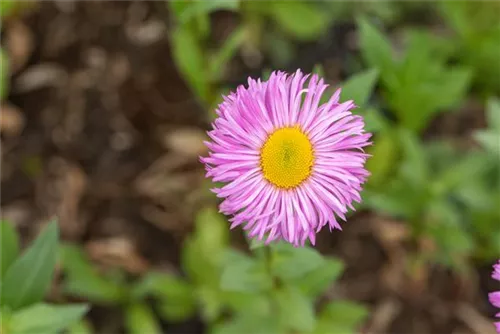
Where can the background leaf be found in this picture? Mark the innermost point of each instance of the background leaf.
(190, 59)
(340, 317)
(493, 113)
(489, 140)
(225, 53)
(29, 277)
(295, 310)
(471, 166)
(243, 324)
(7, 7)
(140, 319)
(187, 10)
(80, 327)
(385, 154)
(415, 166)
(4, 73)
(176, 296)
(375, 48)
(244, 274)
(45, 318)
(9, 246)
(204, 254)
(290, 262)
(316, 282)
(359, 87)
(301, 19)
(83, 280)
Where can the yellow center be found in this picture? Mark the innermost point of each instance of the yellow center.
(287, 157)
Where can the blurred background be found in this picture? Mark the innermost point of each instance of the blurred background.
(104, 107)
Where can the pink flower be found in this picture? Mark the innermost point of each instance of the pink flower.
(290, 165)
(494, 297)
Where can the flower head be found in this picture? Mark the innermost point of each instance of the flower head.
(494, 297)
(291, 165)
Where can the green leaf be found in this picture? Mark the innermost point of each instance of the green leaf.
(301, 19)
(177, 312)
(255, 243)
(456, 16)
(179, 7)
(168, 287)
(266, 74)
(415, 167)
(140, 319)
(280, 48)
(419, 93)
(396, 200)
(475, 194)
(471, 166)
(4, 74)
(226, 53)
(244, 274)
(385, 152)
(454, 243)
(176, 295)
(5, 319)
(7, 7)
(319, 70)
(295, 309)
(83, 280)
(204, 254)
(252, 304)
(192, 9)
(375, 48)
(359, 87)
(29, 277)
(212, 233)
(452, 87)
(316, 282)
(81, 327)
(374, 120)
(198, 265)
(160, 285)
(290, 262)
(245, 324)
(424, 45)
(489, 140)
(190, 59)
(9, 246)
(211, 302)
(45, 318)
(493, 113)
(340, 317)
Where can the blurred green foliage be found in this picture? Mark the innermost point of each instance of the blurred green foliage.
(4, 74)
(272, 290)
(232, 290)
(200, 64)
(418, 83)
(476, 26)
(24, 281)
(110, 288)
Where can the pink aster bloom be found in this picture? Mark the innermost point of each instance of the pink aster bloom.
(290, 164)
(494, 297)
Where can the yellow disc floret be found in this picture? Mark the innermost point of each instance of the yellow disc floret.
(287, 157)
